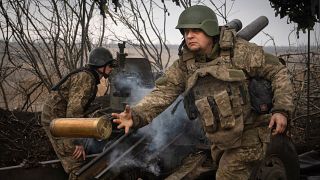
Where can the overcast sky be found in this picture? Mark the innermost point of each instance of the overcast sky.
(247, 11)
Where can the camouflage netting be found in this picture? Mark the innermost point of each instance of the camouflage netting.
(22, 138)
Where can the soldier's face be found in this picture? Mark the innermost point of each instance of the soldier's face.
(105, 70)
(108, 69)
(198, 41)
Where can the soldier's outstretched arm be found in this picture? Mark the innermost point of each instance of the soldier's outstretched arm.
(124, 119)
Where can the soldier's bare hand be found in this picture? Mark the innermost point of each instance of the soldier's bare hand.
(78, 152)
(280, 121)
(124, 119)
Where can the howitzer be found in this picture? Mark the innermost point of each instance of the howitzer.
(136, 145)
(114, 164)
(131, 75)
(177, 146)
(131, 156)
(121, 55)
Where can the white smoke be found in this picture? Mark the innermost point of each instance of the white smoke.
(133, 85)
(163, 131)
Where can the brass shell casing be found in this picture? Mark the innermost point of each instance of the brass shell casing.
(99, 128)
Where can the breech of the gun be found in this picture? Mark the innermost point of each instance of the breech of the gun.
(99, 128)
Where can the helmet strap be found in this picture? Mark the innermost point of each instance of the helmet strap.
(105, 75)
(180, 47)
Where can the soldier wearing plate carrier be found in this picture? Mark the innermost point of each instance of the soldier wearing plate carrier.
(71, 97)
(213, 74)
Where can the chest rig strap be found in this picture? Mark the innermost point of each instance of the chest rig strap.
(227, 42)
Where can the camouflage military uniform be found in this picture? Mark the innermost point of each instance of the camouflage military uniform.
(220, 87)
(71, 100)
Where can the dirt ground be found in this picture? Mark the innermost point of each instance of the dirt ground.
(23, 139)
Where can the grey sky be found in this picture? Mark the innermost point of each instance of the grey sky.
(247, 11)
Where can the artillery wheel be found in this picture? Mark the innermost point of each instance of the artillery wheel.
(280, 163)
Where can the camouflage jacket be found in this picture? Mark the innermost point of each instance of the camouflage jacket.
(247, 57)
(72, 98)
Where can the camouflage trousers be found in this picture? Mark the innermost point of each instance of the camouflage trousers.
(233, 164)
(238, 163)
(64, 149)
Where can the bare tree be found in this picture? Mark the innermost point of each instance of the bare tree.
(146, 35)
(222, 9)
(273, 42)
(6, 69)
(184, 3)
(149, 35)
(45, 40)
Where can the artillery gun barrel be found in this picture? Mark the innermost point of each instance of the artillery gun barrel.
(99, 128)
(100, 162)
(252, 29)
(116, 161)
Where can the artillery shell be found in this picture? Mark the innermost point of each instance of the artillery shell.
(99, 128)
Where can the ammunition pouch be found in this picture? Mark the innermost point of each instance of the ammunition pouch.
(261, 95)
(209, 118)
(227, 37)
(222, 100)
(227, 122)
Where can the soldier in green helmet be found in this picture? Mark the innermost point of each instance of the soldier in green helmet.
(70, 98)
(214, 68)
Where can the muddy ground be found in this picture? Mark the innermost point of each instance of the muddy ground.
(23, 139)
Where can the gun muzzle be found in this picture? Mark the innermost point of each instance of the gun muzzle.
(252, 29)
(99, 128)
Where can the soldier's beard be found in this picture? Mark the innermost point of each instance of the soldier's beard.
(195, 50)
(198, 52)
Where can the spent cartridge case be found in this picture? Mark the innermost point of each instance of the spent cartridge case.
(99, 128)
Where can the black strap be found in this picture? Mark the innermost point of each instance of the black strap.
(180, 47)
(86, 69)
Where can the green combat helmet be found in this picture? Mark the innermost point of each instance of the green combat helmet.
(100, 57)
(201, 17)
